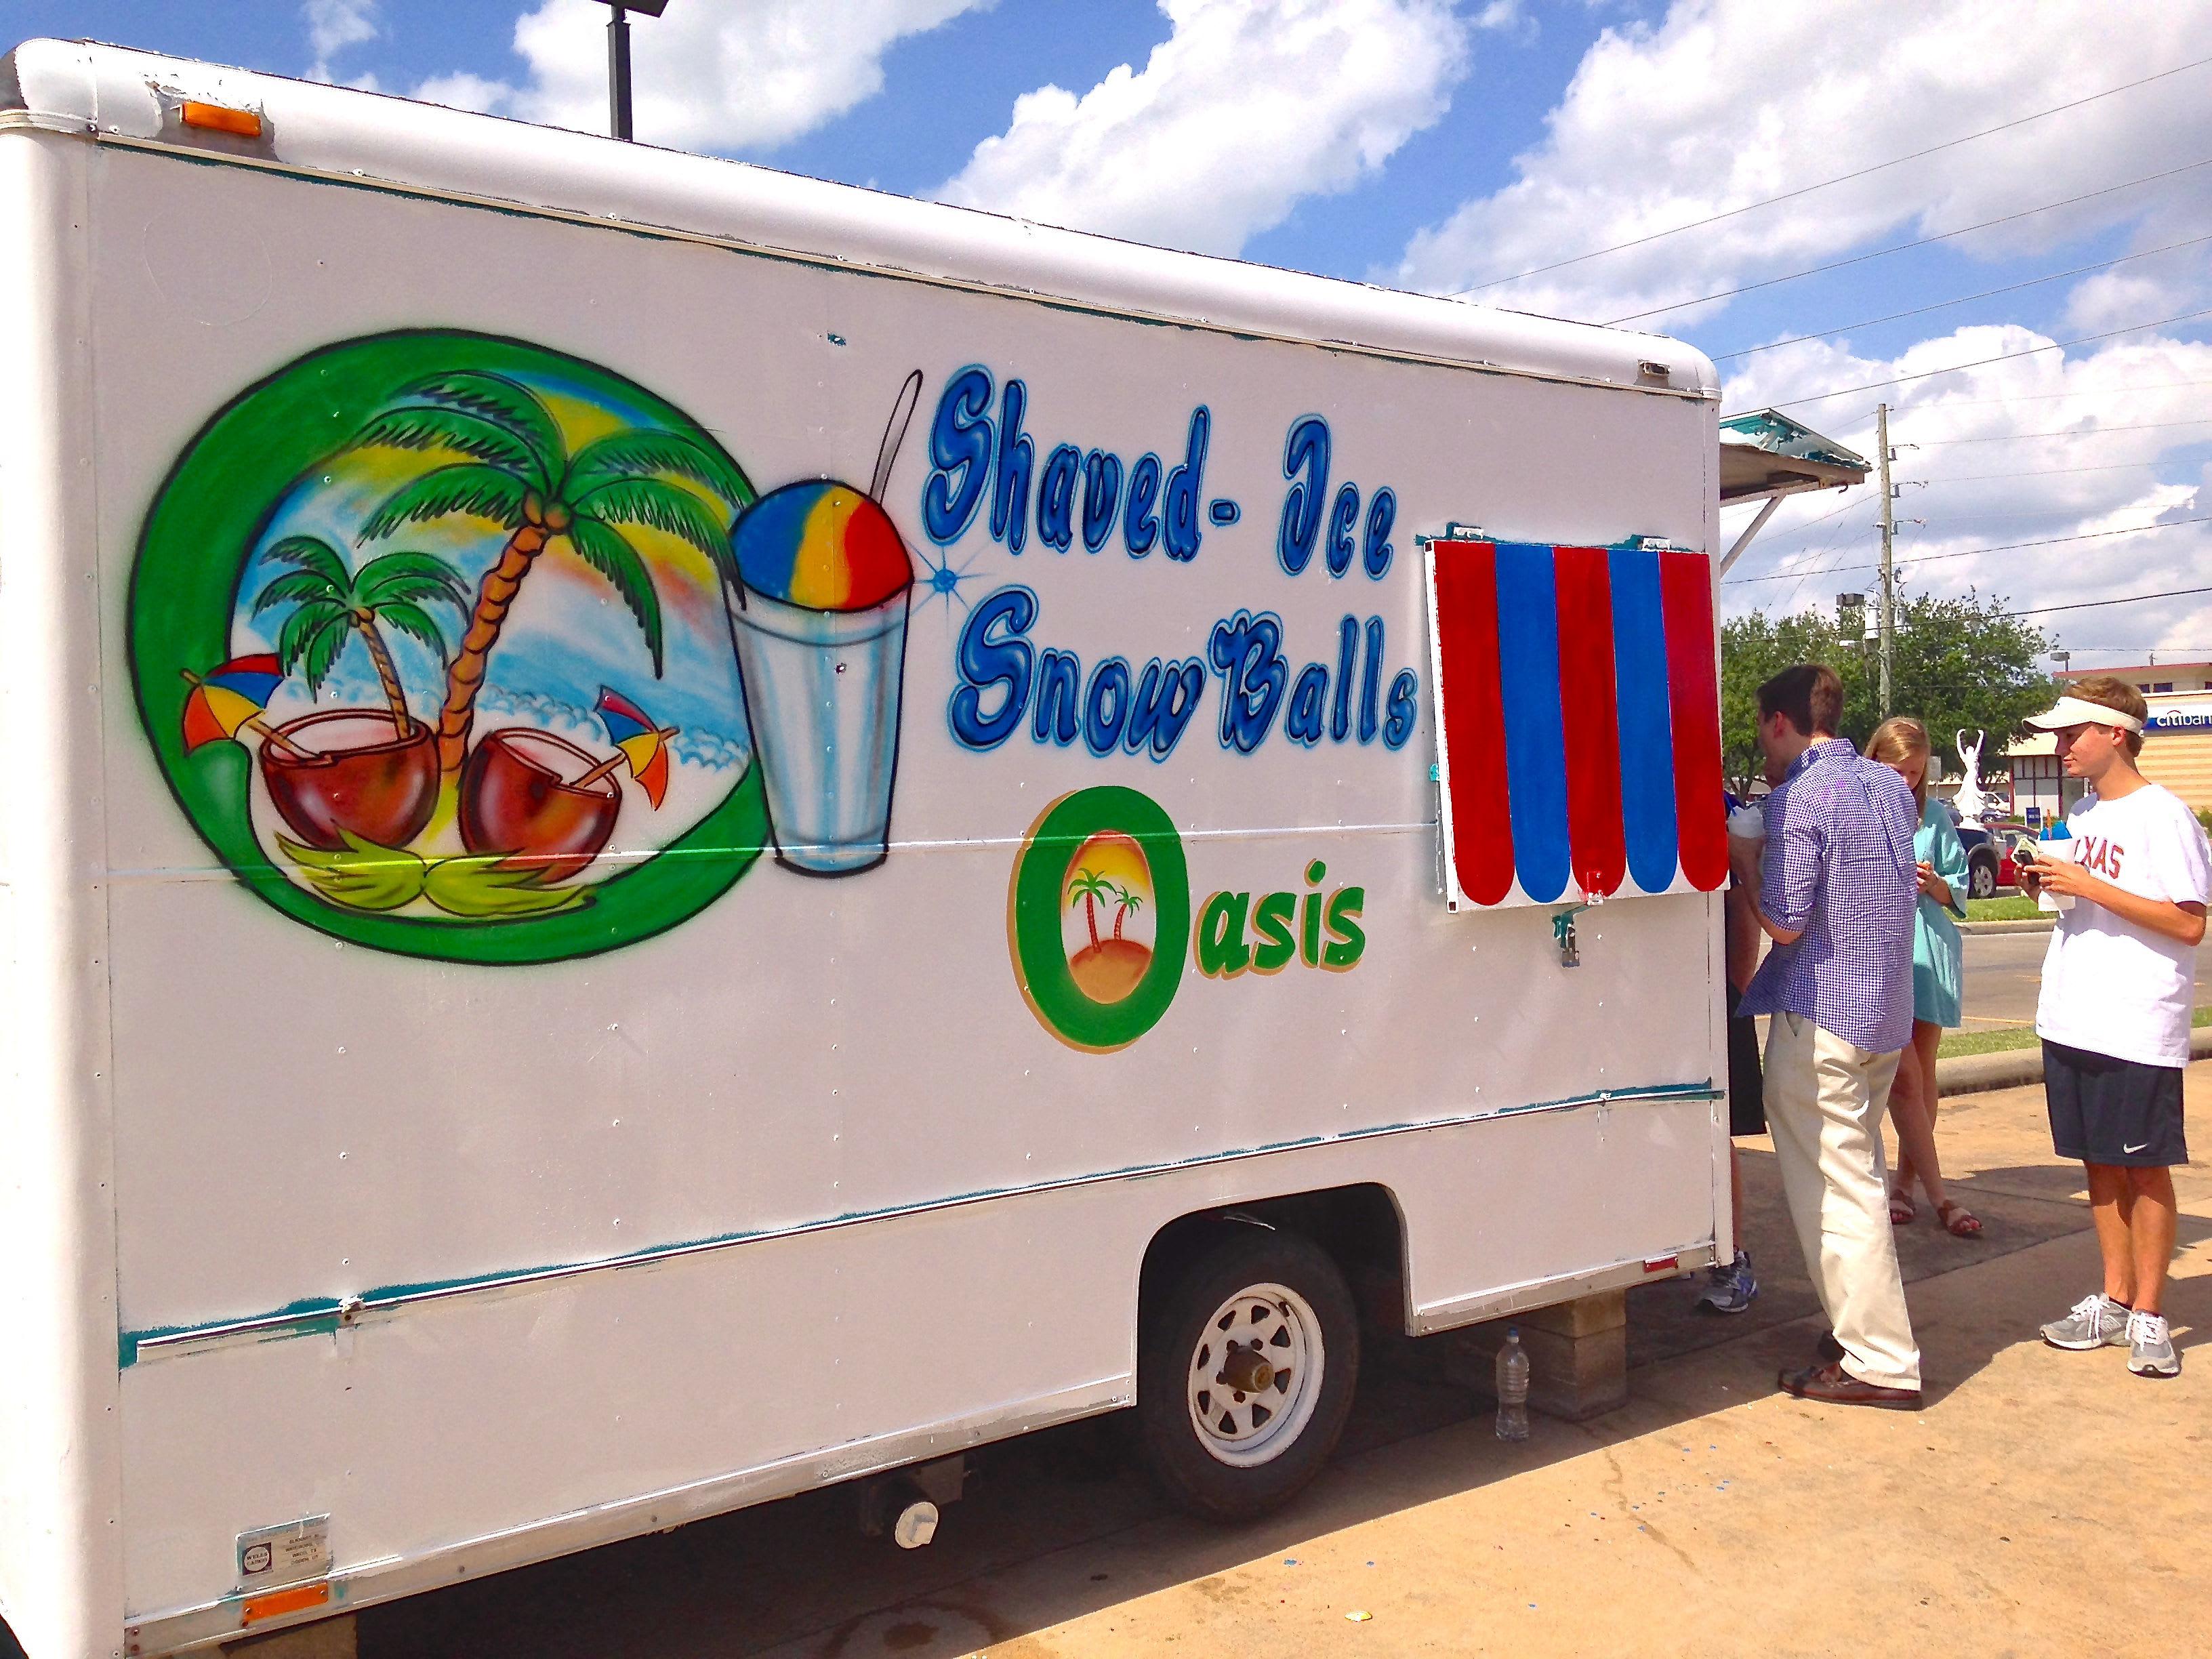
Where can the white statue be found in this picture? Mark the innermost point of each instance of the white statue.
(1970, 800)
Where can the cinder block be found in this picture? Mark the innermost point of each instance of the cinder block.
(1585, 1315)
(1571, 1375)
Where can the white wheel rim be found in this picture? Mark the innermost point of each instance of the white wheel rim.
(1244, 1428)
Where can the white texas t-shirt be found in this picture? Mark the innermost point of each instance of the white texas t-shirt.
(2109, 986)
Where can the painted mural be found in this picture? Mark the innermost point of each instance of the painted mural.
(445, 644)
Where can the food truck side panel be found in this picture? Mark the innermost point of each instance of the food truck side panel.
(651, 1155)
(60, 1461)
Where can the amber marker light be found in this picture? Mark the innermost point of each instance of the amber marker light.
(217, 118)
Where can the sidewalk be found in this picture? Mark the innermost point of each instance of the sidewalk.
(2044, 1503)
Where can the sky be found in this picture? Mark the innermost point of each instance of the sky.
(2053, 162)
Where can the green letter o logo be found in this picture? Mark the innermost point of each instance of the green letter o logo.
(1100, 869)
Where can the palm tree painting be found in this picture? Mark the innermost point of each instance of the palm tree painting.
(340, 773)
(1108, 868)
(1125, 903)
(1087, 888)
(504, 459)
(331, 605)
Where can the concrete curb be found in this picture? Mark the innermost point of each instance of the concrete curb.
(2024, 925)
(2009, 1068)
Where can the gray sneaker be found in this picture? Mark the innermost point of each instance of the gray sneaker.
(2150, 1348)
(1729, 1290)
(2097, 1321)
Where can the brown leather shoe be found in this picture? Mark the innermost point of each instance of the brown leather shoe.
(1833, 1385)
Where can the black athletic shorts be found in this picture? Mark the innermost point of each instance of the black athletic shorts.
(2118, 1112)
(1746, 1088)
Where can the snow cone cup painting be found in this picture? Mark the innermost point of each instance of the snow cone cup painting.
(819, 620)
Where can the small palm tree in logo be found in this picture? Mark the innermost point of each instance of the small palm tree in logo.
(1125, 903)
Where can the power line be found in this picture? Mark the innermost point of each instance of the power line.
(2132, 598)
(1983, 363)
(2021, 437)
(2051, 541)
(1906, 247)
(2041, 472)
(1965, 299)
(1841, 179)
(2002, 547)
(2051, 397)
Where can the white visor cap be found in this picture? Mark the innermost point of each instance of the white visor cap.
(2077, 711)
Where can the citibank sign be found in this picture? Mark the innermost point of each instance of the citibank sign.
(2180, 717)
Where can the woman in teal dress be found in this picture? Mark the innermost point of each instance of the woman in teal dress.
(1937, 969)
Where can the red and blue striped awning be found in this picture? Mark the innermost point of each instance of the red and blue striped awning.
(1577, 721)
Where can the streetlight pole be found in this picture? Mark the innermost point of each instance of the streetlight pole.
(618, 105)
(618, 111)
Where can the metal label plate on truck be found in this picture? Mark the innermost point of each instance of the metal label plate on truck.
(286, 1554)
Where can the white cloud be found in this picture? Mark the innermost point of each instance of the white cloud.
(1242, 111)
(2115, 299)
(2046, 448)
(334, 25)
(465, 91)
(733, 74)
(1726, 102)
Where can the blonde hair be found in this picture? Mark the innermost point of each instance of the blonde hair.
(1898, 739)
(2110, 691)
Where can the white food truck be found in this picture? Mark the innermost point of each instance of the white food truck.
(673, 833)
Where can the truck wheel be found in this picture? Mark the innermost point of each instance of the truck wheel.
(1245, 1371)
(1982, 877)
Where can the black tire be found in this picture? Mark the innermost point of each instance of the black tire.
(1180, 1457)
(1981, 873)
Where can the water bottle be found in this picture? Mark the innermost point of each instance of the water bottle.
(1512, 1388)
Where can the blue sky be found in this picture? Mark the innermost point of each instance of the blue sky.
(1438, 143)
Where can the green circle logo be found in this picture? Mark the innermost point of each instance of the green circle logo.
(428, 636)
(1096, 916)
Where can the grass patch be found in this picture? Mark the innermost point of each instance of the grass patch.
(2013, 907)
(1956, 1043)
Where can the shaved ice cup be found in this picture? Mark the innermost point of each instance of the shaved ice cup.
(822, 697)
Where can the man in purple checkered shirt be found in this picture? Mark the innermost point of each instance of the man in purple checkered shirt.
(1837, 892)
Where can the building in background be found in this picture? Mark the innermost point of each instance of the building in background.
(2177, 742)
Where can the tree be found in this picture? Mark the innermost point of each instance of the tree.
(332, 604)
(1087, 889)
(1954, 663)
(519, 475)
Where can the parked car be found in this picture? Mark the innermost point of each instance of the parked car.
(1988, 855)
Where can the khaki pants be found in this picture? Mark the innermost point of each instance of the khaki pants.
(1825, 1101)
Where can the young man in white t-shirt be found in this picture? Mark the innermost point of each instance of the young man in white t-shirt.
(2114, 1017)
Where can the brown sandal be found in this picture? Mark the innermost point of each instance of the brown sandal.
(1901, 1212)
(1956, 1219)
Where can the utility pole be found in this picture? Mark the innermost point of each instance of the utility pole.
(1888, 570)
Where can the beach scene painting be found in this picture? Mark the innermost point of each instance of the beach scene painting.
(1108, 930)
(444, 643)
(461, 619)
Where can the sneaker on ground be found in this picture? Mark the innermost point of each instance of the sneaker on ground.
(2097, 1321)
(1729, 1290)
(2150, 1346)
